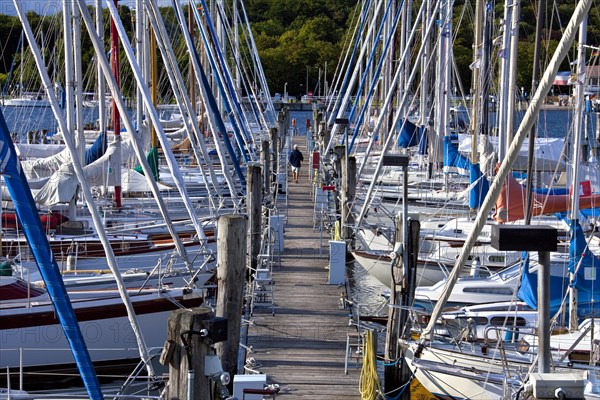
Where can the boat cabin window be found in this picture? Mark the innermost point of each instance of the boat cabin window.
(501, 321)
(494, 290)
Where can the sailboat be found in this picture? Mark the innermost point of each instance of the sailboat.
(484, 370)
(23, 98)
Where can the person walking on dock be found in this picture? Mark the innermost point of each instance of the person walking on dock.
(296, 159)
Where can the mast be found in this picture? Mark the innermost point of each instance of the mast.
(505, 56)
(22, 62)
(114, 56)
(69, 87)
(443, 69)
(154, 85)
(535, 77)
(101, 82)
(424, 89)
(512, 76)
(577, 157)
(192, 79)
(79, 136)
(139, 52)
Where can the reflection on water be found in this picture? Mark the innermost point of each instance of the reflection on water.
(366, 290)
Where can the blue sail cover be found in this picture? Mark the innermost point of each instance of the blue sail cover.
(27, 213)
(585, 280)
(585, 275)
(408, 135)
(529, 288)
(480, 186)
(96, 150)
(454, 162)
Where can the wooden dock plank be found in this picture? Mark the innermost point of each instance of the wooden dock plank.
(302, 348)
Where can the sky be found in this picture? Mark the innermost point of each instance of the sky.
(46, 7)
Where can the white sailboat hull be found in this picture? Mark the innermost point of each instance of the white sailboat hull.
(32, 337)
(454, 375)
(26, 102)
(377, 263)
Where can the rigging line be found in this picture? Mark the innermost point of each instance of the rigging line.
(12, 65)
(185, 106)
(224, 70)
(197, 67)
(330, 102)
(375, 80)
(218, 75)
(214, 115)
(341, 63)
(235, 62)
(255, 100)
(258, 66)
(139, 152)
(241, 68)
(342, 92)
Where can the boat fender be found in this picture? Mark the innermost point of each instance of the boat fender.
(71, 261)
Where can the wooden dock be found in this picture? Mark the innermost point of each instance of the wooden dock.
(302, 347)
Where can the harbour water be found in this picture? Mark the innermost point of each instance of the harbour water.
(552, 122)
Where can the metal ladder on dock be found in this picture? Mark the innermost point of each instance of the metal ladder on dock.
(262, 288)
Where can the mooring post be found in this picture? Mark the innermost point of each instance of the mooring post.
(265, 162)
(231, 269)
(325, 134)
(254, 207)
(396, 374)
(391, 372)
(339, 159)
(348, 193)
(184, 352)
(274, 153)
(281, 130)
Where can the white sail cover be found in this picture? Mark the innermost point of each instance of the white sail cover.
(61, 185)
(548, 152)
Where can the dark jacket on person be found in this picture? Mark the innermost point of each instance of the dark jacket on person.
(296, 158)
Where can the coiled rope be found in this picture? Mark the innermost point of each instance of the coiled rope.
(369, 385)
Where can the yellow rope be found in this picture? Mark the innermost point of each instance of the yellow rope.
(370, 387)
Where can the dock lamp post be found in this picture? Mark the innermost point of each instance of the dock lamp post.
(540, 238)
(285, 97)
(401, 161)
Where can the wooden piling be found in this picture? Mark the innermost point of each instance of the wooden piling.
(340, 159)
(231, 271)
(281, 128)
(348, 193)
(265, 162)
(175, 354)
(396, 374)
(274, 138)
(325, 134)
(254, 206)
